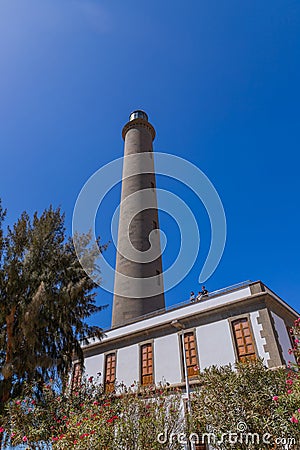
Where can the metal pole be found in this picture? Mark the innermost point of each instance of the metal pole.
(187, 384)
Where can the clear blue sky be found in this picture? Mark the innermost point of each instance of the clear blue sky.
(220, 83)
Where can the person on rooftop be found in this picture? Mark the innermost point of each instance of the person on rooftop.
(192, 297)
(204, 292)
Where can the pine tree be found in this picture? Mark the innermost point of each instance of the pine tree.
(45, 297)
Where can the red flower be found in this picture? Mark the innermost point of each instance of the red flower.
(24, 439)
(275, 398)
(294, 419)
(84, 435)
(1, 430)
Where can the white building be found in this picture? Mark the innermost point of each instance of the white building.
(245, 321)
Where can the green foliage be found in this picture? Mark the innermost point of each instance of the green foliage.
(45, 297)
(248, 401)
(91, 419)
(244, 400)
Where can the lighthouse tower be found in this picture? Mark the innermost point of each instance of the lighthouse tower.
(138, 286)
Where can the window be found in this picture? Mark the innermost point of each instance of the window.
(191, 354)
(158, 277)
(294, 344)
(243, 340)
(76, 376)
(146, 364)
(110, 372)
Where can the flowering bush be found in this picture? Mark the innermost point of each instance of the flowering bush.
(289, 401)
(91, 419)
(250, 399)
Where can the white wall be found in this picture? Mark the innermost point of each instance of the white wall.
(215, 346)
(128, 364)
(260, 342)
(214, 343)
(283, 337)
(167, 359)
(93, 365)
(177, 314)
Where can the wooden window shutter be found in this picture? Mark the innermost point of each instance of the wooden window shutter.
(146, 364)
(76, 377)
(191, 354)
(110, 372)
(243, 340)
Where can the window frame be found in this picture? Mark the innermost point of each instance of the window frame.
(76, 382)
(231, 321)
(141, 345)
(182, 348)
(109, 387)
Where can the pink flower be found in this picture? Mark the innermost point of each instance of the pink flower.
(289, 391)
(1, 430)
(24, 439)
(289, 382)
(275, 398)
(294, 419)
(18, 402)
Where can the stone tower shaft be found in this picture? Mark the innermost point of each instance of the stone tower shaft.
(138, 286)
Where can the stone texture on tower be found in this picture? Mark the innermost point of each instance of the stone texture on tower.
(138, 232)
